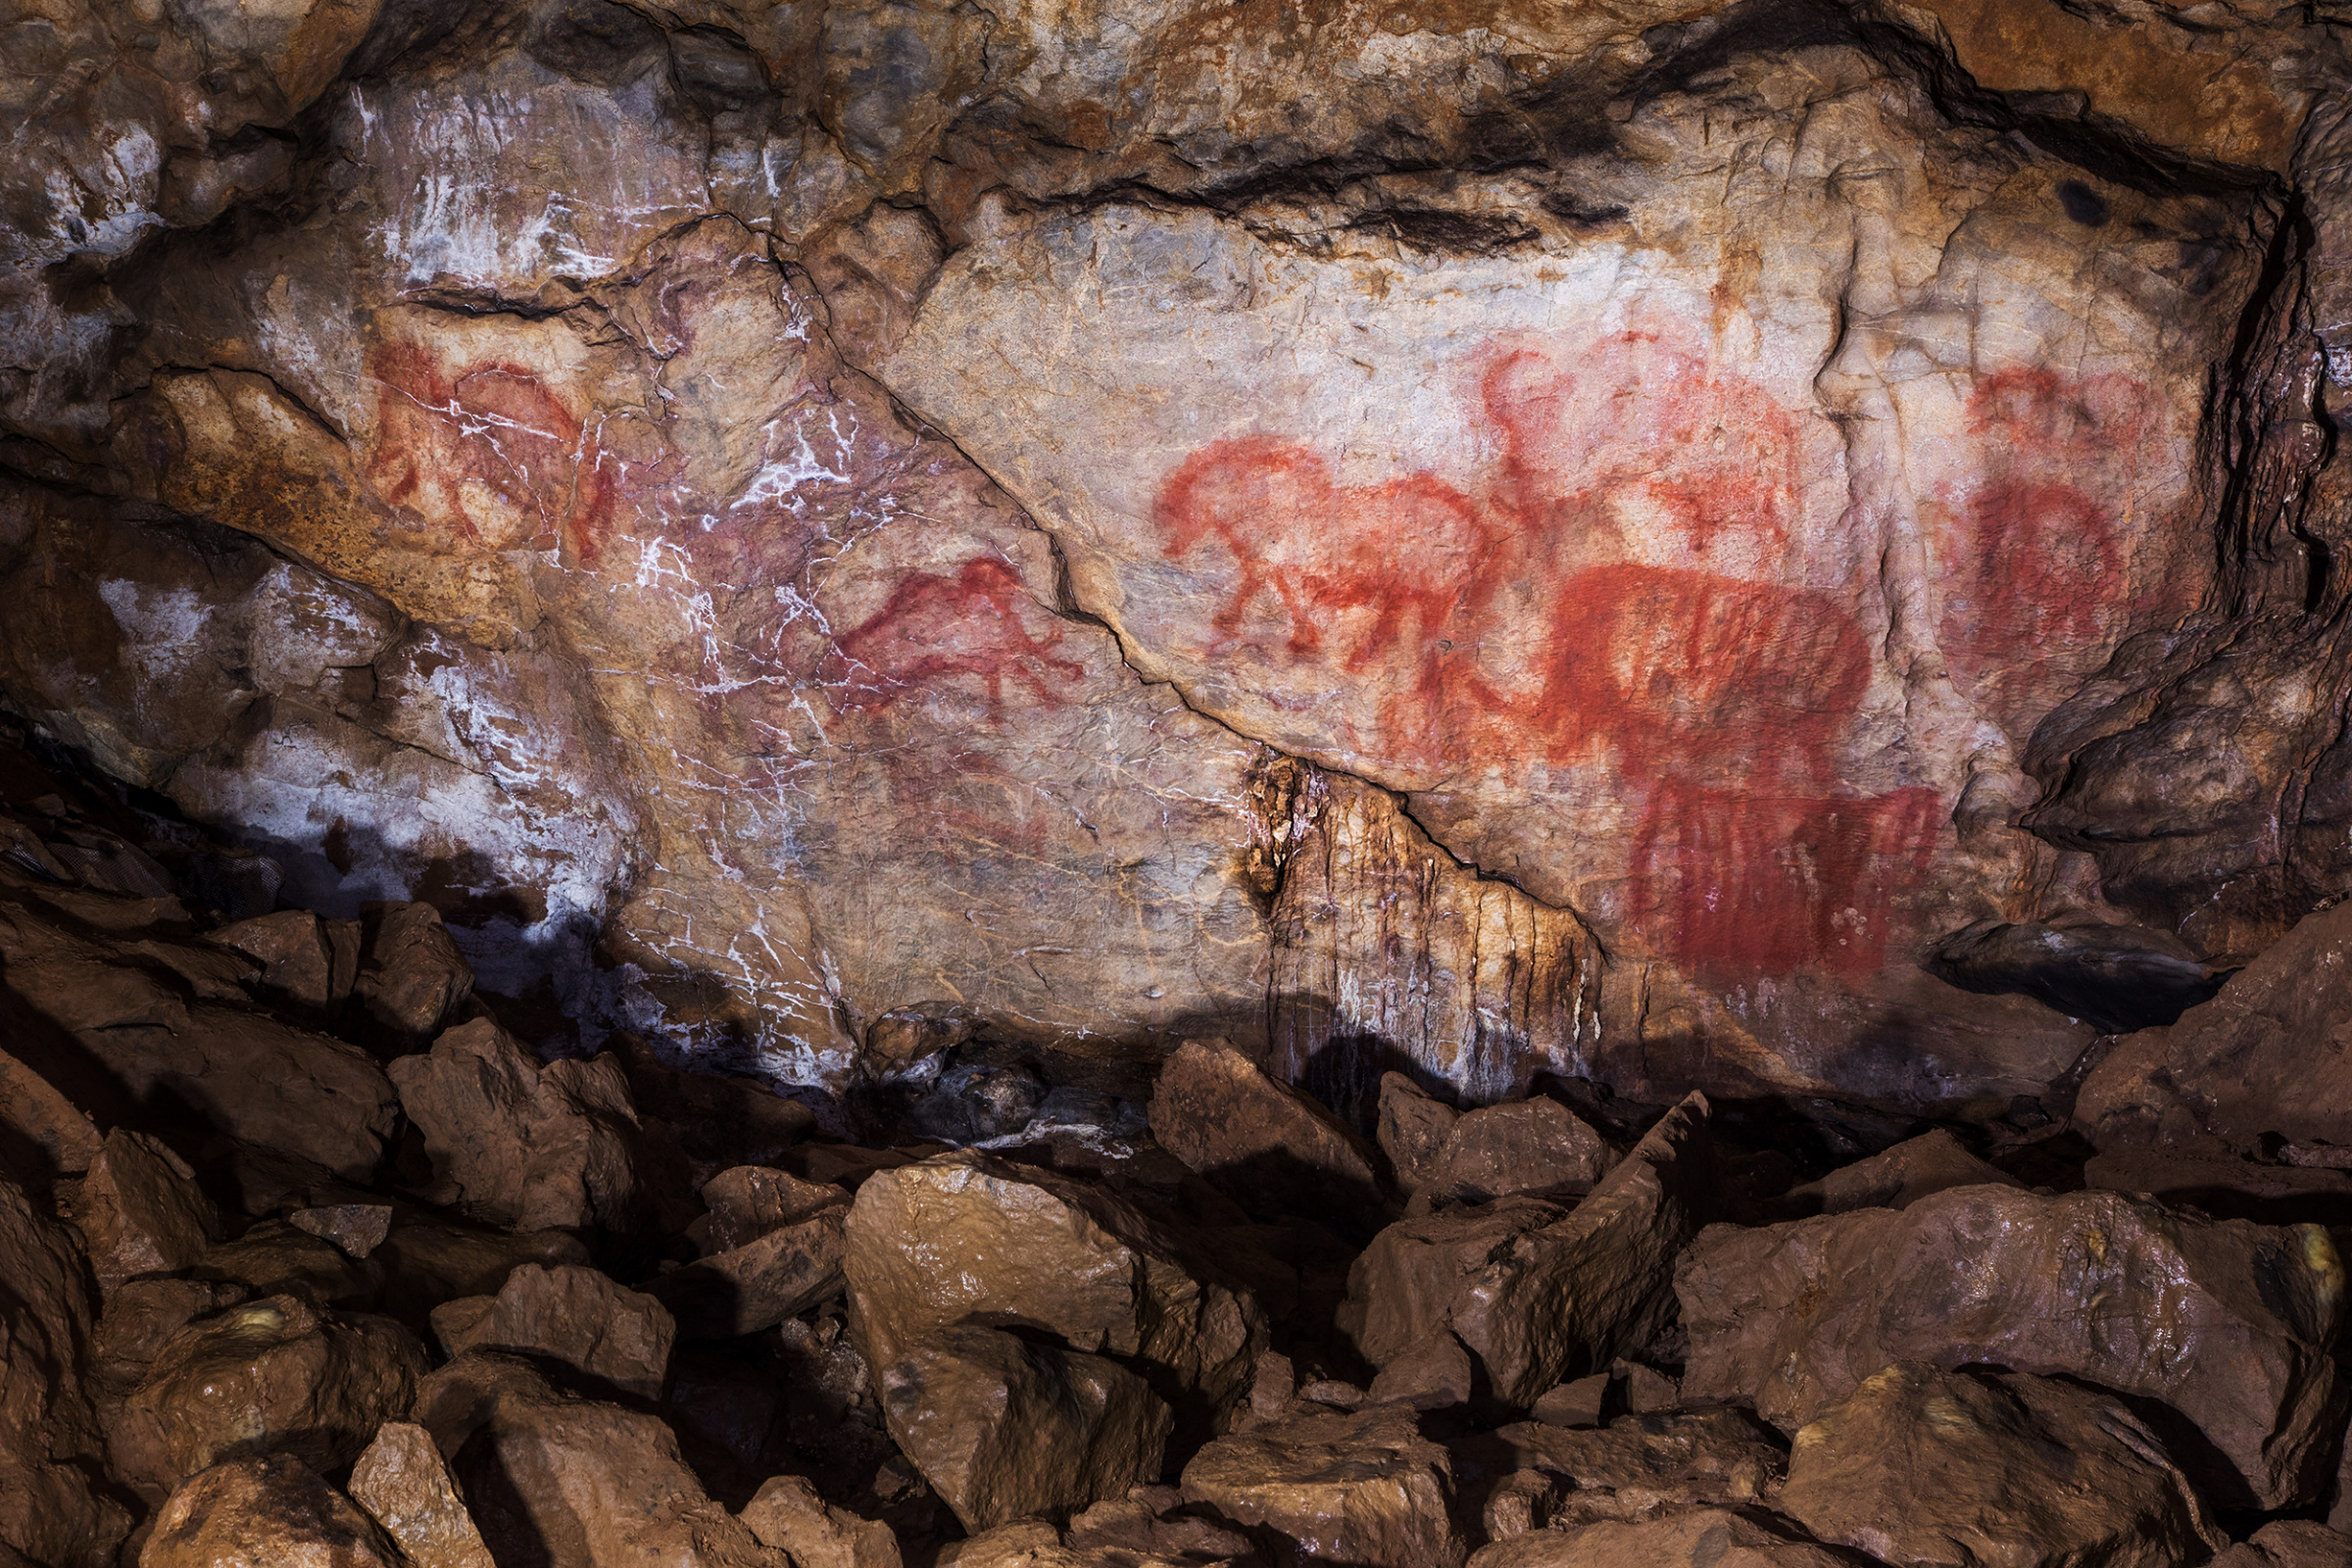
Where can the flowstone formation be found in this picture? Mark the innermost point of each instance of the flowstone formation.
(1514, 541)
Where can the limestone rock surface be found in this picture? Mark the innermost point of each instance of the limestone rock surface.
(790, 1515)
(49, 1433)
(141, 1212)
(403, 1482)
(1363, 1488)
(1271, 1147)
(1723, 1537)
(266, 1512)
(1005, 1429)
(1924, 1466)
(966, 1236)
(568, 1314)
(275, 1376)
(2223, 1327)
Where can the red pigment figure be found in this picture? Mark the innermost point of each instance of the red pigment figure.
(493, 428)
(934, 626)
(1722, 698)
(2039, 569)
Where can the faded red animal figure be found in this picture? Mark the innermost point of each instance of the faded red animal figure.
(1684, 671)
(1747, 884)
(488, 451)
(2033, 568)
(1649, 429)
(1723, 695)
(934, 626)
(1398, 563)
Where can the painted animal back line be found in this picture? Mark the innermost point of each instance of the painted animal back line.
(1722, 701)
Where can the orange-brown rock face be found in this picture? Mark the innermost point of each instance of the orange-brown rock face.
(1515, 541)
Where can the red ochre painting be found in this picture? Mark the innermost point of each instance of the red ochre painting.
(1638, 509)
(489, 450)
(935, 626)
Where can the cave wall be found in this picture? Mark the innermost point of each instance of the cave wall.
(1512, 539)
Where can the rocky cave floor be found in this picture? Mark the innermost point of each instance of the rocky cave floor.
(305, 1259)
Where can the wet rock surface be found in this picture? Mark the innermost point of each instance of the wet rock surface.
(2227, 1338)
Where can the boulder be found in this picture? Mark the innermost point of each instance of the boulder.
(1578, 1404)
(1364, 1488)
(1719, 1538)
(406, 1487)
(2117, 978)
(50, 1439)
(747, 1201)
(1529, 1146)
(43, 1135)
(270, 1512)
(1895, 1179)
(2223, 1327)
(2226, 1188)
(274, 1258)
(305, 961)
(432, 1258)
(1926, 1467)
(1577, 1294)
(2246, 1065)
(411, 974)
(1005, 1428)
(140, 1319)
(760, 1284)
(1410, 1128)
(1265, 1144)
(141, 1212)
(1153, 1522)
(2289, 1543)
(969, 1236)
(520, 1144)
(172, 1043)
(1634, 1466)
(788, 1514)
(553, 1478)
(355, 1229)
(275, 1376)
(573, 1315)
(1401, 1289)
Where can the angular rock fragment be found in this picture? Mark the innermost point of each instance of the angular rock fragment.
(1401, 1289)
(1529, 1146)
(1633, 1468)
(1411, 1129)
(2227, 1188)
(1365, 1487)
(2239, 1067)
(967, 1235)
(141, 1212)
(406, 1487)
(1924, 1466)
(553, 1478)
(274, 1258)
(2289, 1543)
(747, 1201)
(2117, 978)
(42, 1134)
(355, 1229)
(411, 974)
(428, 1260)
(787, 1513)
(1005, 1428)
(520, 1143)
(1265, 1144)
(570, 1314)
(1546, 1286)
(301, 960)
(1895, 1179)
(1719, 1538)
(2226, 1325)
(241, 1071)
(760, 1284)
(275, 1376)
(143, 1315)
(1154, 1523)
(1578, 1403)
(272, 1512)
(50, 1440)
